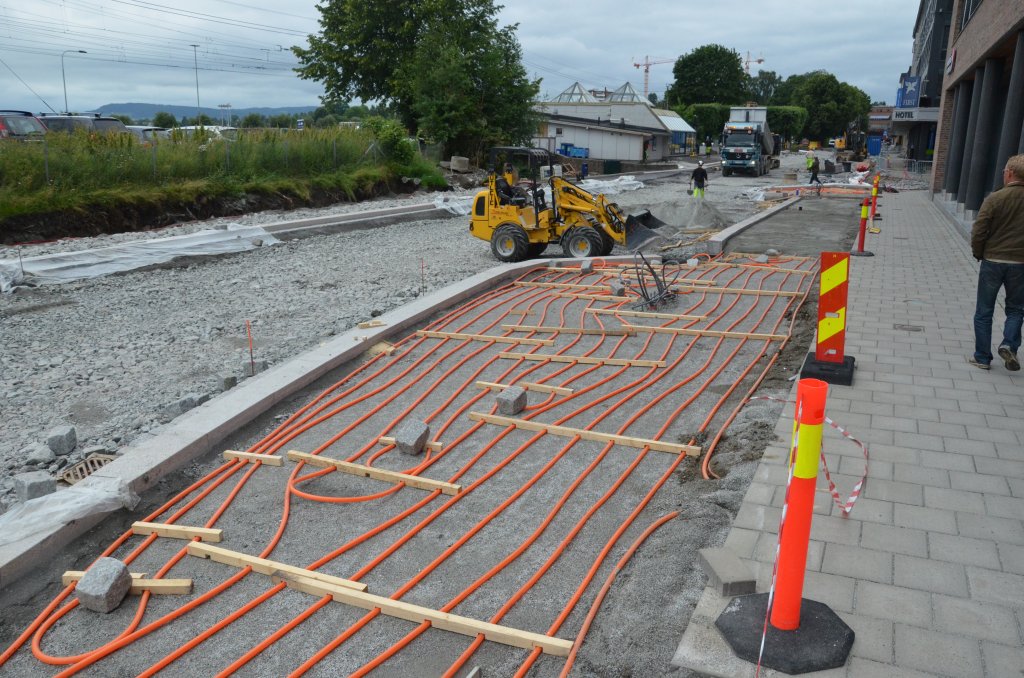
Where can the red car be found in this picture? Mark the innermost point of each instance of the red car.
(20, 125)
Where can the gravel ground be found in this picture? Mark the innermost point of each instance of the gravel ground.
(115, 356)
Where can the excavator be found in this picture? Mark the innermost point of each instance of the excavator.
(519, 224)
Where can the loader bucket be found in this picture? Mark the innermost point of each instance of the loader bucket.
(647, 219)
(637, 234)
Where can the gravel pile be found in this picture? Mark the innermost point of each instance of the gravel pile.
(118, 357)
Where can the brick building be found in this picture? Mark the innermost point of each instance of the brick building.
(981, 112)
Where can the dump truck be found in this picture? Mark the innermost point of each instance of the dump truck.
(517, 220)
(747, 143)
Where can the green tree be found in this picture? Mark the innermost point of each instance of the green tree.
(707, 119)
(785, 93)
(831, 105)
(380, 50)
(708, 74)
(788, 121)
(653, 98)
(164, 119)
(328, 120)
(252, 120)
(126, 119)
(281, 120)
(761, 87)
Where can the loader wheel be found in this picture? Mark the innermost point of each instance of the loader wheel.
(582, 242)
(509, 243)
(607, 243)
(537, 248)
(726, 172)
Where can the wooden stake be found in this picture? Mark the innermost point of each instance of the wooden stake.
(177, 531)
(592, 297)
(140, 584)
(265, 459)
(584, 360)
(375, 473)
(529, 386)
(269, 567)
(558, 286)
(612, 332)
(709, 333)
(645, 314)
(737, 290)
(484, 337)
(430, 445)
(569, 432)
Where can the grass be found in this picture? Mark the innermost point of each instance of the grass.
(73, 172)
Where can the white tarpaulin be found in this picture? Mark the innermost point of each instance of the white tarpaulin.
(54, 269)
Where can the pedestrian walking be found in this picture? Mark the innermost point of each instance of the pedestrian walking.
(997, 241)
(814, 166)
(698, 180)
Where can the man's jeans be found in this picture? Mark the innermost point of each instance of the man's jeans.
(991, 277)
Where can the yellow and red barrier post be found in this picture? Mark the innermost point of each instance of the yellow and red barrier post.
(874, 205)
(859, 252)
(829, 361)
(781, 629)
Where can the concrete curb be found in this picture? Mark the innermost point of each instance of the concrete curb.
(199, 431)
(716, 245)
(354, 221)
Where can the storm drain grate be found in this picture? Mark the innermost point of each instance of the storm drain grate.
(909, 328)
(86, 467)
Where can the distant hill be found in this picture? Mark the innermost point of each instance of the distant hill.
(147, 111)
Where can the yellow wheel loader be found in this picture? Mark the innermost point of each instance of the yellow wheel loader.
(519, 223)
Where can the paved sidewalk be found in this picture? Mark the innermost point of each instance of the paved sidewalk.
(929, 568)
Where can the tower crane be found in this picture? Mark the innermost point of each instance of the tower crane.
(646, 65)
(749, 60)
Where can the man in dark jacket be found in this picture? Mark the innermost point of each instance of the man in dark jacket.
(699, 178)
(997, 241)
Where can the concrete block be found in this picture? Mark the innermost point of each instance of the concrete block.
(37, 454)
(251, 368)
(511, 401)
(411, 436)
(617, 289)
(62, 439)
(460, 163)
(104, 585)
(587, 266)
(180, 407)
(228, 381)
(34, 484)
(727, 574)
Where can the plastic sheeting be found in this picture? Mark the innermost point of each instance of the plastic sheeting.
(97, 495)
(54, 269)
(461, 206)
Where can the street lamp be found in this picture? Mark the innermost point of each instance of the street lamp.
(195, 62)
(62, 78)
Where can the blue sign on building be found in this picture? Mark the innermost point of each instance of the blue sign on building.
(910, 94)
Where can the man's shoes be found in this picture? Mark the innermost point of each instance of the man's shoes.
(1009, 358)
(981, 366)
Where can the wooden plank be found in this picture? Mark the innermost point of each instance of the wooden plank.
(376, 473)
(268, 567)
(569, 432)
(431, 444)
(710, 333)
(266, 459)
(585, 360)
(593, 297)
(529, 386)
(484, 337)
(445, 621)
(177, 531)
(761, 267)
(736, 290)
(558, 286)
(371, 323)
(381, 348)
(708, 283)
(612, 331)
(645, 314)
(140, 584)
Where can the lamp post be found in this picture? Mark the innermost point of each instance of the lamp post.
(62, 78)
(195, 62)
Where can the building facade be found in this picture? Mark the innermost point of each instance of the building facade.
(981, 113)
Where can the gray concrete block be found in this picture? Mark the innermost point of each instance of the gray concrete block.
(227, 382)
(104, 585)
(587, 266)
(727, 574)
(34, 484)
(617, 289)
(511, 401)
(37, 454)
(251, 368)
(411, 436)
(459, 163)
(62, 439)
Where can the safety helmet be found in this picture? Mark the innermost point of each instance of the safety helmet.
(700, 163)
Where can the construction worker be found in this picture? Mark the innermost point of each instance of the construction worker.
(813, 166)
(698, 178)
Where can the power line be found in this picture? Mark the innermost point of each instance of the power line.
(27, 85)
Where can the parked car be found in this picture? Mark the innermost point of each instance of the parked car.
(90, 123)
(148, 135)
(211, 132)
(20, 125)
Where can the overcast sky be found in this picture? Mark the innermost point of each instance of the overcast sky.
(140, 51)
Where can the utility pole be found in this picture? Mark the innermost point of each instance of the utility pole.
(646, 65)
(62, 78)
(195, 63)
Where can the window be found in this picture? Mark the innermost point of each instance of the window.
(558, 130)
(481, 207)
(970, 7)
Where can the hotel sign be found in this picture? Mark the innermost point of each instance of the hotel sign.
(915, 115)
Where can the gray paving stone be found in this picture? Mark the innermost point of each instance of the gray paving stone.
(835, 529)
(963, 550)
(894, 423)
(919, 441)
(832, 590)
(984, 433)
(962, 418)
(898, 455)
(996, 587)
(873, 637)
(941, 653)
(974, 619)
(761, 518)
(104, 585)
(1012, 558)
(999, 467)
(889, 490)
(1004, 507)
(766, 549)
(920, 414)
(936, 477)
(930, 575)
(854, 466)
(894, 539)
(893, 602)
(978, 482)
(33, 484)
(949, 461)
(991, 528)
(727, 574)
(866, 510)
(1002, 660)
(742, 542)
(62, 440)
(858, 563)
(954, 500)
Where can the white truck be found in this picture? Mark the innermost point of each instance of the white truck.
(747, 143)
